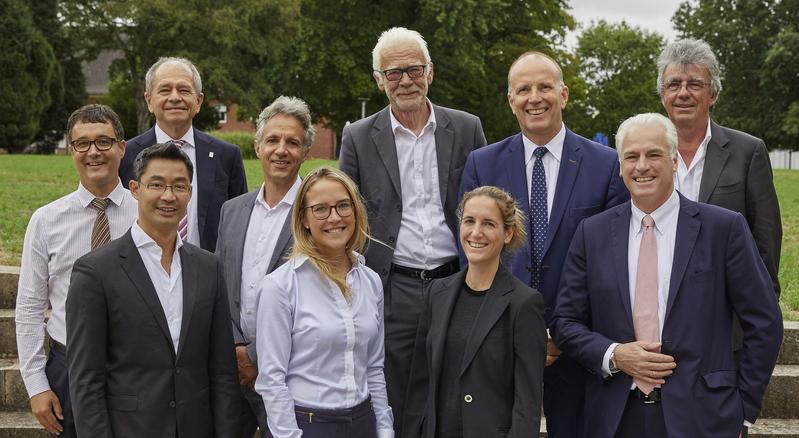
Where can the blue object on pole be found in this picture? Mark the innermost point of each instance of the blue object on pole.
(601, 138)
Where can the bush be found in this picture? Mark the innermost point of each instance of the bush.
(244, 140)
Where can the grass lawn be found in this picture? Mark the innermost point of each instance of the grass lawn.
(30, 181)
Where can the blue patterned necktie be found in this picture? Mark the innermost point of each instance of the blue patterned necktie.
(539, 217)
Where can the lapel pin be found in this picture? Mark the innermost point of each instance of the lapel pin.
(210, 155)
(570, 160)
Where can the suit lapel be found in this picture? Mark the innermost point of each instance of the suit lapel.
(620, 237)
(239, 224)
(442, 300)
(383, 140)
(517, 174)
(687, 231)
(496, 301)
(133, 265)
(716, 156)
(205, 153)
(283, 242)
(445, 142)
(567, 173)
(191, 282)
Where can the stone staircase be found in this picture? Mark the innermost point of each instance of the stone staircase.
(779, 417)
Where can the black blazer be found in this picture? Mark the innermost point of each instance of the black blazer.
(220, 176)
(125, 378)
(503, 364)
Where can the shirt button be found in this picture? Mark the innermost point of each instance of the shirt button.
(467, 398)
(172, 403)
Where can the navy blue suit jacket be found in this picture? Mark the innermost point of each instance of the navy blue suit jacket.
(220, 176)
(588, 183)
(716, 272)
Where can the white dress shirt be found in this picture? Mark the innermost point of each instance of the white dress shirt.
(58, 234)
(551, 162)
(318, 350)
(424, 240)
(189, 148)
(259, 247)
(168, 285)
(665, 218)
(688, 178)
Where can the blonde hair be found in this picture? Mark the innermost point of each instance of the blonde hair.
(304, 244)
(512, 217)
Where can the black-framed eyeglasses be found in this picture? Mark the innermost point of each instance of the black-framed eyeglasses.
(322, 211)
(102, 144)
(691, 84)
(395, 74)
(179, 188)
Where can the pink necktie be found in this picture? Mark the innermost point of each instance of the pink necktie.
(645, 309)
(183, 227)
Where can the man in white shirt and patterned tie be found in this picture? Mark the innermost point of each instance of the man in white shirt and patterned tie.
(647, 299)
(58, 233)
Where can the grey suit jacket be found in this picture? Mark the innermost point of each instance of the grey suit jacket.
(233, 223)
(737, 176)
(369, 157)
(126, 380)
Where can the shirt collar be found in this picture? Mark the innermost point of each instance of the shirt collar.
(288, 199)
(142, 239)
(431, 120)
(662, 215)
(359, 263)
(554, 147)
(85, 197)
(163, 137)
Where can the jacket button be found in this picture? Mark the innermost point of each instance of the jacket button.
(177, 370)
(467, 398)
(391, 239)
(172, 404)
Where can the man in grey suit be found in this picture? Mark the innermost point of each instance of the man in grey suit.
(150, 347)
(718, 165)
(407, 160)
(255, 236)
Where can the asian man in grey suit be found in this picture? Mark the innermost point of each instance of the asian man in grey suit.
(407, 160)
(255, 236)
(150, 348)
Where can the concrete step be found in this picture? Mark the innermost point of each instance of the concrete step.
(20, 425)
(8, 338)
(9, 278)
(774, 428)
(782, 396)
(14, 397)
(789, 353)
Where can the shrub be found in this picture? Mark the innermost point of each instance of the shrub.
(244, 140)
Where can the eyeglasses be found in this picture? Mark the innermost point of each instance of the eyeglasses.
(691, 84)
(395, 74)
(178, 189)
(322, 211)
(102, 144)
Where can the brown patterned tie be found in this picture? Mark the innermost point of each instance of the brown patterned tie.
(101, 232)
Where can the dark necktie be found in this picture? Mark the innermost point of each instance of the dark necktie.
(101, 231)
(539, 217)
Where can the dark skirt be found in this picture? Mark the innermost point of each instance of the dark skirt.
(356, 422)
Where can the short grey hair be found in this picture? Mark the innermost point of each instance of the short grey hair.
(149, 78)
(398, 35)
(648, 119)
(290, 106)
(690, 52)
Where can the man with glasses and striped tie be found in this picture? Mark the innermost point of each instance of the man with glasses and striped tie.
(58, 233)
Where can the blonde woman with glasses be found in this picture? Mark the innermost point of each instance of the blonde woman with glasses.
(320, 322)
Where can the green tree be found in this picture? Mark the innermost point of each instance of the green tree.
(754, 43)
(27, 68)
(618, 62)
(236, 45)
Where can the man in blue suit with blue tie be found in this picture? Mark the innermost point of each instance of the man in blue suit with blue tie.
(647, 300)
(558, 178)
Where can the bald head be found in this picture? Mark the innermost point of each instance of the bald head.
(538, 56)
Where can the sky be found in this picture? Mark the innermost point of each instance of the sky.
(652, 15)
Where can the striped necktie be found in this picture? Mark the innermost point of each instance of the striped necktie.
(101, 231)
(183, 227)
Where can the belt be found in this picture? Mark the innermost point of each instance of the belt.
(653, 397)
(444, 270)
(310, 415)
(58, 347)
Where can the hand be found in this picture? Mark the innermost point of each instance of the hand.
(47, 409)
(642, 361)
(553, 352)
(247, 370)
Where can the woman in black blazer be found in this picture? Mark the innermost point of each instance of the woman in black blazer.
(478, 367)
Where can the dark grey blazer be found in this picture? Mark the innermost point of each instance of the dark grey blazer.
(503, 363)
(369, 157)
(233, 223)
(737, 176)
(125, 378)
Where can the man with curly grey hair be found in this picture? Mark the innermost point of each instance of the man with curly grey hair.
(255, 235)
(718, 165)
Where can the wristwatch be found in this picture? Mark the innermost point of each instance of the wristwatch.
(612, 363)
